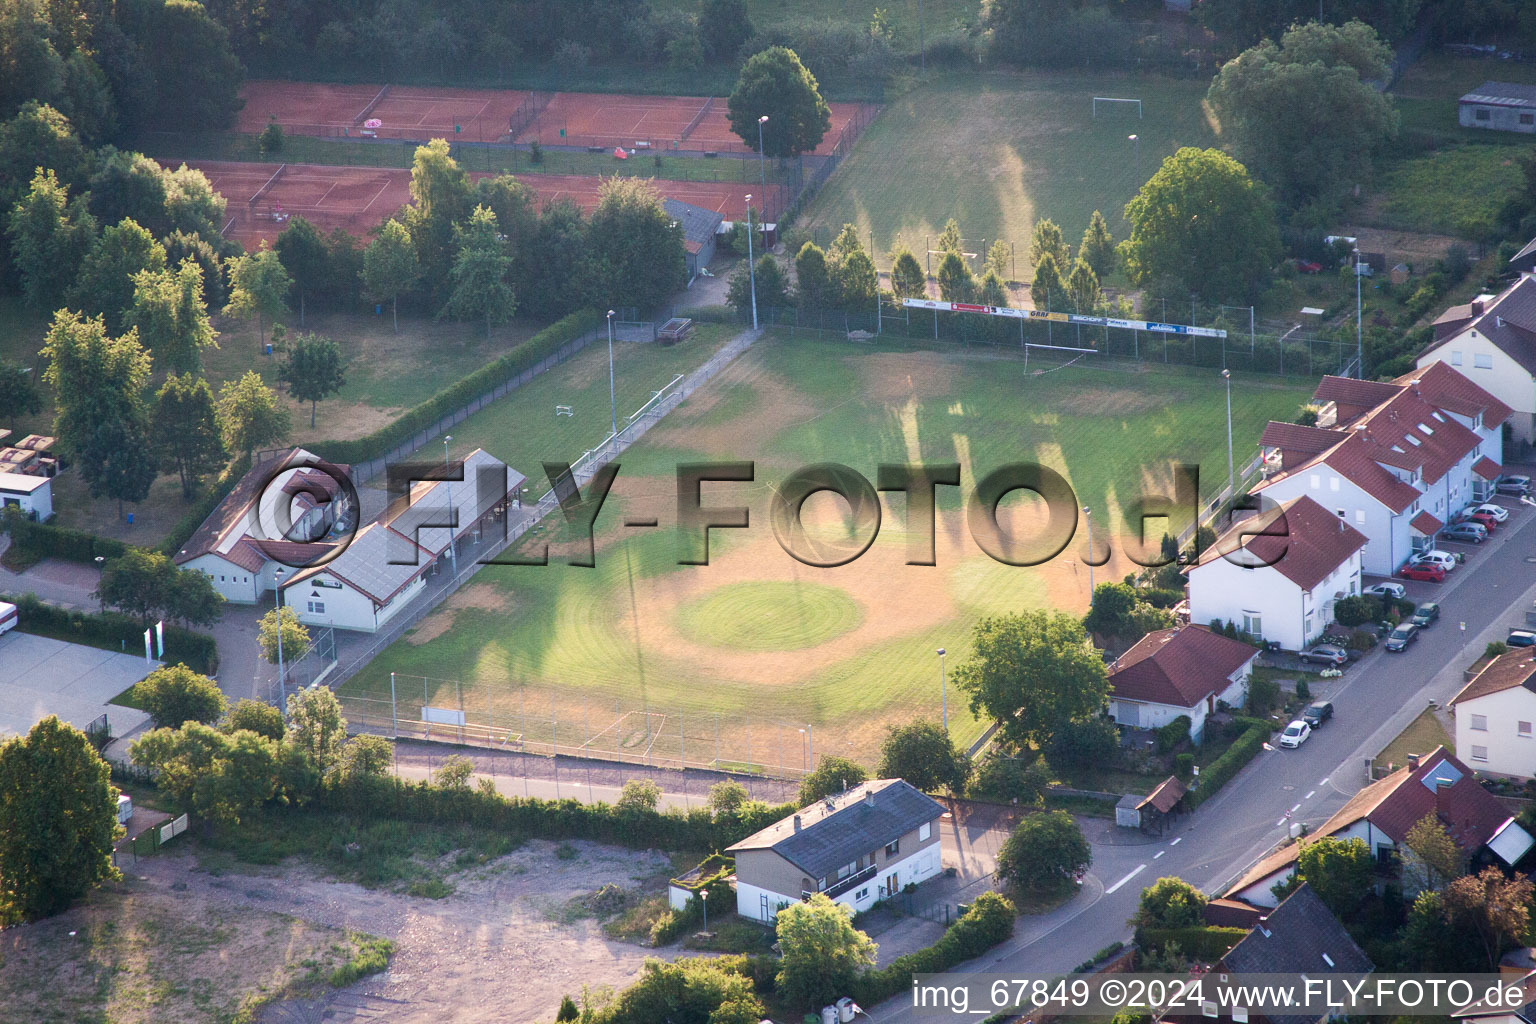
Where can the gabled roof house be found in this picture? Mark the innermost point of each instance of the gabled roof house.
(1496, 716)
(1184, 670)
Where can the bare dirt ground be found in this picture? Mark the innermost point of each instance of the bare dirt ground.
(145, 951)
(502, 948)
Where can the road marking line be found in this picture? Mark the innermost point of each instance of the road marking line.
(1293, 810)
(1158, 854)
(1309, 795)
(1324, 782)
(1280, 822)
(1177, 841)
(1122, 881)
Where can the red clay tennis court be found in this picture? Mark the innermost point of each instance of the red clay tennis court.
(263, 198)
(659, 122)
(402, 112)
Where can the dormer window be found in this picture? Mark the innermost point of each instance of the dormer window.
(1426, 428)
(1413, 441)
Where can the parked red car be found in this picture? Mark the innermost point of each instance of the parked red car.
(1482, 517)
(1309, 267)
(1423, 572)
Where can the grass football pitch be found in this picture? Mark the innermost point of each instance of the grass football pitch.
(755, 646)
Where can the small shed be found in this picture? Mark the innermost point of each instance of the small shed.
(699, 229)
(1151, 813)
(1499, 106)
(1128, 811)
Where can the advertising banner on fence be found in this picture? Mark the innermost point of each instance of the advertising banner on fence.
(1065, 318)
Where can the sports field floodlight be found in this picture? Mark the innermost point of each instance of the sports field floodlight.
(1226, 375)
(943, 692)
(1088, 518)
(453, 555)
(613, 408)
(282, 682)
(762, 166)
(751, 267)
(1136, 143)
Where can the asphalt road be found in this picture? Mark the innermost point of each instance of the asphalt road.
(1373, 701)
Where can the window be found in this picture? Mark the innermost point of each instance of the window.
(1482, 114)
(926, 828)
(1479, 753)
(1528, 118)
(1253, 623)
(893, 847)
(221, 579)
(1359, 517)
(861, 895)
(1480, 723)
(315, 607)
(1317, 481)
(1523, 729)
(1481, 361)
(1340, 513)
(1455, 358)
(846, 870)
(1333, 483)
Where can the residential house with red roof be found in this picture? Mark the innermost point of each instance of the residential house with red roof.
(1278, 574)
(1492, 340)
(1496, 716)
(1382, 813)
(1397, 460)
(1180, 671)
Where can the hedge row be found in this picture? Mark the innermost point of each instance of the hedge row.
(988, 922)
(1201, 942)
(36, 541)
(547, 819)
(203, 507)
(454, 397)
(114, 632)
(1220, 771)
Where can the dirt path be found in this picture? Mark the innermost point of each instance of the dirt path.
(496, 950)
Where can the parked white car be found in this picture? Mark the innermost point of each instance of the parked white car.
(1444, 559)
(1295, 734)
(1498, 512)
(1392, 590)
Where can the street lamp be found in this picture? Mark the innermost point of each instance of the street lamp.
(613, 409)
(1088, 518)
(751, 269)
(802, 749)
(1136, 142)
(1226, 375)
(762, 166)
(1359, 340)
(453, 555)
(943, 692)
(704, 896)
(101, 601)
(282, 682)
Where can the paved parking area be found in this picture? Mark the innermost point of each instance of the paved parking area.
(41, 677)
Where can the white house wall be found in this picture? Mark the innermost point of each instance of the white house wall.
(238, 585)
(344, 606)
(918, 866)
(1507, 752)
(1501, 377)
(1225, 591)
(1388, 542)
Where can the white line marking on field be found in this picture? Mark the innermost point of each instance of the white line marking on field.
(1122, 881)
(1309, 795)
(1158, 854)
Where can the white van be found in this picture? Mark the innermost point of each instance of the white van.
(9, 617)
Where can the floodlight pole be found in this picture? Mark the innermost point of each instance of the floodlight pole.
(1136, 143)
(1359, 323)
(453, 555)
(762, 165)
(751, 267)
(1088, 518)
(282, 684)
(1226, 375)
(613, 408)
(943, 692)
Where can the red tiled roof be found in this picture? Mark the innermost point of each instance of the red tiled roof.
(1296, 438)
(1166, 796)
(1180, 667)
(1354, 459)
(1354, 392)
(1425, 523)
(1300, 539)
(1487, 468)
(1508, 321)
(1453, 391)
(1507, 671)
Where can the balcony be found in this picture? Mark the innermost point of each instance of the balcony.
(832, 892)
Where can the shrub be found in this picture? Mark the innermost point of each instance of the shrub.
(35, 541)
(1160, 597)
(1303, 690)
(1082, 744)
(1220, 771)
(639, 795)
(1010, 778)
(1170, 903)
(987, 923)
(1172, 734)
(114, 632)
(1202, 943)
(1044, 855)
(1183, 765)
(1357, 611)
(1263, 696)
(1496, 648)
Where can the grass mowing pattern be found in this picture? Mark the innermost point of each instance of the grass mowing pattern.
(769, 616)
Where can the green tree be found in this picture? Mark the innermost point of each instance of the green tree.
(58, 820)
(254, 716)
(313, 370)
(923, 754)
(907, 278)
(175, 694)
(1082, 743)
(723, 28)
(440, 199)
(832, 776)
(636, 245)
(1339, 872)
(105, 285)
(49, 236)
(38, 136)
(1083, 288)
(306, 257)
(316, 725)
(776, 84)
(1109, 611)
(116, 460)
(454, 773)
(1047, 290)
(1044, 855)
(258, 286)
(146, 584)
(1097, 247)
(171, 317)
(270, 140)
(390, 266)
(992, 291)
(192, 600)
(772, 288)
(999, 258)
(1432, 857)
(296, 638)
(956, 283)
(1202, 225)
(188, 56)
(364, 757)
(18, 393)
(479, 276)
(1302, 113)
(1170, 903)
(218, 776)
(181, 246)
(1047, 240)
(950, 240)
(822, 953)
(638, 795)
(127, 184)
(693, 990)
(251, 414)
(727, 797)
(1032, 671)
(186, 433)
(192, 206)
(812, 282)
(852, 272)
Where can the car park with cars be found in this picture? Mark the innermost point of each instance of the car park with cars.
(1484, 518)
(1434, 556)
(1295, 734)
(1498, 512)
(1402, 636)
